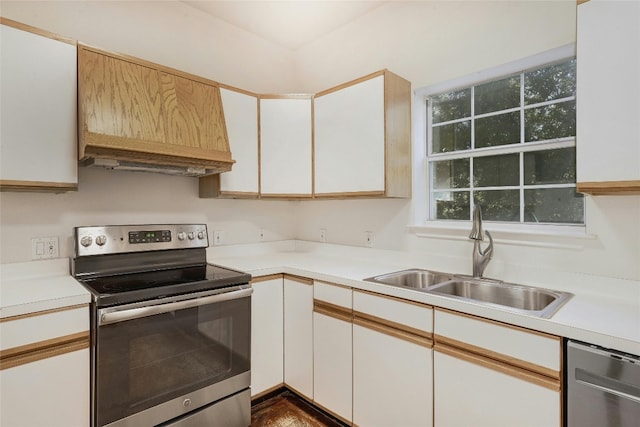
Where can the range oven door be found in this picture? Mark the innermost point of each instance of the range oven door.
(155, 361)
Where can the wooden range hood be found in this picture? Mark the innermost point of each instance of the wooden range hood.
(136, 115)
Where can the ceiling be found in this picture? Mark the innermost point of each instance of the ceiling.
(288, 23)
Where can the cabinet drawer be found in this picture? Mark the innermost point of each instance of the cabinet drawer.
(514, 345)
(33, 328)
(414, 315)
(333, 294)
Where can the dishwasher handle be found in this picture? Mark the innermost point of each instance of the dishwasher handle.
(608, 385)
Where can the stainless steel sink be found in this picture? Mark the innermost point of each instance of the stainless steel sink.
(519, 298)
(413, 278)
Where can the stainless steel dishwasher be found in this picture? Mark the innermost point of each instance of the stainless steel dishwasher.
(603, 387)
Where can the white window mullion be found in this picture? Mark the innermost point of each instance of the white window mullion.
(521, 159)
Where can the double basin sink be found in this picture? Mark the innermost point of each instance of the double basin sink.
(512, 297)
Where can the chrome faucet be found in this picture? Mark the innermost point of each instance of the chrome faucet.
(480, 257)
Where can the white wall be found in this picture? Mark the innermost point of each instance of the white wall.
(117, 197)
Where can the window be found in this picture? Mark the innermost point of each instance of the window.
(509, 145)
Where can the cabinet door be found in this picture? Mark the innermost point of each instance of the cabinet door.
(332, 365)
(392, 362)
(501, 374)
(298, 335)
(349, 140)
(285, 147)
(332, 349)
(241, 118)
(362, 138)
(50, 392)
(38, 131)
(392, 380)
(608, 87)
(267, 335)
(470, 394)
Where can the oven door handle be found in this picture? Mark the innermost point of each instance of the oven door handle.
(137, 313)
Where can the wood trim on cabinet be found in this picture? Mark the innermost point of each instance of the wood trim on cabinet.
(38, 31)
(37, 186)
(299, 279)
(43, 312)
(397, 330)
(359, 194)
(332, 310)
(29, 353)
(609, 188)
(487, 362)
(126, 148)
(285, 196)
(579, 2)
(497, 357)
(397, 136)
(268, 277)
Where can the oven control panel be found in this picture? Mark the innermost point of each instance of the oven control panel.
(114, 239)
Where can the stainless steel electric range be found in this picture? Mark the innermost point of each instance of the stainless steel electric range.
(170, 333)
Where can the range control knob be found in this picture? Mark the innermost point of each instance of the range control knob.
(191, 235)
(86, 241)
(201, 235)
(101, 240)
(182, 235)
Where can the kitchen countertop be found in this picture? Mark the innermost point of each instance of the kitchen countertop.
(594, 314)
(30, 287)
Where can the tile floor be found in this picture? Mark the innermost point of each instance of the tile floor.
(288, 410)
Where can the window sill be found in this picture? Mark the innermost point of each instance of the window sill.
(549, 236)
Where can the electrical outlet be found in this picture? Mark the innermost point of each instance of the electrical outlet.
(368, 238)
(45, 247)
(218, 237)
(323, 235)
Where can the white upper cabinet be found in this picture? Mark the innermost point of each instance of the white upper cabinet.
(38, 132)
(608, 97)
(285, 147)
(362, 138)
(241, 117)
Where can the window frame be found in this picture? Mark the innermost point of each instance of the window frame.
(421, 133)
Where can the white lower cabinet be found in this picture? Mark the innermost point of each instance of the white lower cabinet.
(267, 334)
(491, 374)
(332, 354)
(392, 362)
(470, 394)
(44, 369)
(298, 334)
(49, 392)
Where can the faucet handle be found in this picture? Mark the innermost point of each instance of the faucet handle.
(476, 229)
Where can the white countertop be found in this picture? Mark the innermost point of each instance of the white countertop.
(30, 287)
(595, 314)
